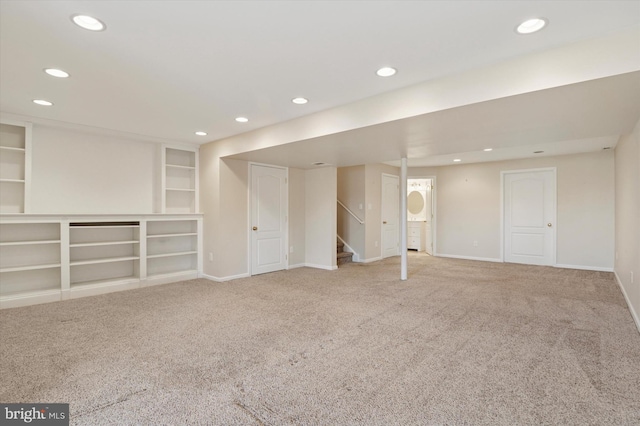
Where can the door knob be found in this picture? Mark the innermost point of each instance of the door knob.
(384, 222)
(255, 228)
(549, 224)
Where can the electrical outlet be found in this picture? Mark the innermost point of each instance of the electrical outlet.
(210, 257)
(360, 206)
(376, 244)
(475, 243)
(369, 206)
(291, 249)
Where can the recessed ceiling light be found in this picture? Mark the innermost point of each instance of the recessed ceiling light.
(531, 26)
(42, 102)
(538, 152)
(488, 149)
(386, 72)
(606, 147)
(56, 72)
(242, 119)
(318, 163)
(299, 101)
(201, 133)
(88, 22)
(457, 160)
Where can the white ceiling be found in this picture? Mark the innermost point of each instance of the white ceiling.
(580, 117)
(164, 69)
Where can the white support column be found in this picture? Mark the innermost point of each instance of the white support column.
(403, 219)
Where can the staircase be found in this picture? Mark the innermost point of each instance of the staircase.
(343, 256)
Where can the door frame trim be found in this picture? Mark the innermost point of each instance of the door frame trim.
(250, 165)
(503, 173)
(399, 214)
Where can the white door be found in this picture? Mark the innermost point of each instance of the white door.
(429, 220)
(268, 219)
(529, 217)
(390, 212)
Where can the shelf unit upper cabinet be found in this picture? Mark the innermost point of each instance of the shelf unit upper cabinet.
(179, 180)
(15, 166)
(103, 252)
(30, 258)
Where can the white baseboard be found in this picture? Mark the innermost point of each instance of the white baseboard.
(30, 298)
(372, 259)
(297, 265)
(634, 314)
(104, 288)
(227, 278)
(168, 278)
(247, 275)
(482, 259)
(107, 286)
(584, 268)
(325, 267)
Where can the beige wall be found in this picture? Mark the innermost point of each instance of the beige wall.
(362, 185)
(224, 201)
(468, 208)
(373, 200)
(320, 207)
(351, 192)
(297, 217)
(209, 206)
(233, 240)
(74, 172)
(627, 230)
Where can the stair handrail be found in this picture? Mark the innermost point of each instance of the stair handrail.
(360, 221)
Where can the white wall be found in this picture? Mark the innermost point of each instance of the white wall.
(468, 208)
(297, 217)
(74, 172)
(320, 208)
(627, 230)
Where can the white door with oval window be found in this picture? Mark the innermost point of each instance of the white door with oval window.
(268, 219)
(530, 216)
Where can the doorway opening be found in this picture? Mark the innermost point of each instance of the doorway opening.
(421, 214)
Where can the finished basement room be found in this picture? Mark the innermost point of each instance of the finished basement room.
(320, 213)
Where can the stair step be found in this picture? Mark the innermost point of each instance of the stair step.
(344, 257)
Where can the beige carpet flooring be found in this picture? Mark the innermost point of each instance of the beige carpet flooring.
(458, 343)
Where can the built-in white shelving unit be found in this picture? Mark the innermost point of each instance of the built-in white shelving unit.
(47, 258)
(15, 160)
(172, 246)
(30, 260)
(179, 180)
(104, 251)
